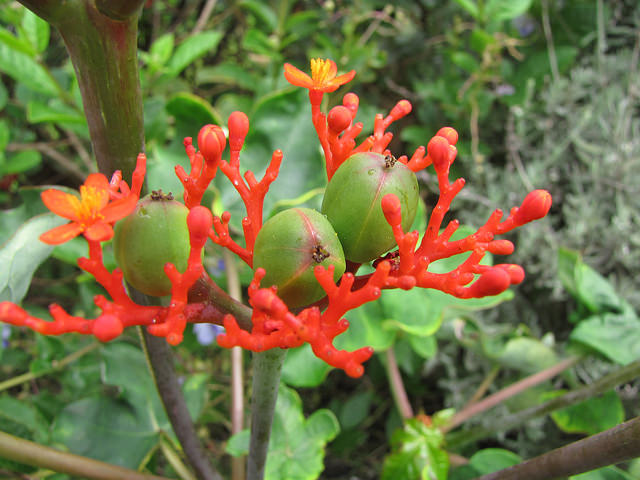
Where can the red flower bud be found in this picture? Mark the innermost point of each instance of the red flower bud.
(449, 133)
(339, 119)
(491, 282)
(535, 205)
(199, 222)
(107, 327)
(438, 149)
(501, 247)
(391, 209)
(211, 142)
(515, 272)
(401, 109)
(238, 127)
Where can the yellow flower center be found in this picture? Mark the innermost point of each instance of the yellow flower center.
(320, 71)
(88, 206)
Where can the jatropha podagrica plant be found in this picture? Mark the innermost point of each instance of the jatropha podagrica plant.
(369, 204)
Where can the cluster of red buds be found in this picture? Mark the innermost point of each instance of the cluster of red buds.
(271, 323)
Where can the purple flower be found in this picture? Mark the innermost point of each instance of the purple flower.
(206, 333)
(6, 333)
(525, 25)
(504, 89)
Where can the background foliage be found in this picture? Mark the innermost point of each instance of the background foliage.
(544, 94)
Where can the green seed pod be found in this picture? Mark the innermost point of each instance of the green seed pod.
(154, 234)
(352, 203)
(289, 246)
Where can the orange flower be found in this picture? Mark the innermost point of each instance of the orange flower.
(90, 214)
(323, 76)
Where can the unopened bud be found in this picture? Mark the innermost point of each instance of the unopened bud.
(339, 119)
(535, 205)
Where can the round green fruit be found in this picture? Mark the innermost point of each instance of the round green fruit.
(352, 203)
(154, 234)
(289, 246)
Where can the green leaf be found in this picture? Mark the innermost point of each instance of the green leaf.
(587, 286)
(36, 30)
(22, 254)
(366, 329)
(4, 97)
(263, 13)
(25, 419)
(161, 50)
(416, 453)
(107, 429)
(606, 473)
(296, 447)
(257, 41)
(15, 43)
(22, 68)
(191, 113)
(465, 61)
(229, 74)
(23, 161)
(500, 10)
(491, 460)
(412, 311)
(238, 444)
(123, 430)
(616, 336)
(191, 49)
(5, 134)
(55, 111)
(355, 409)
(527, 355)
(470, 6)
(426, 347)
(303, 369)
(592, 416)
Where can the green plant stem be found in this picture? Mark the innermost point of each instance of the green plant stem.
(174, 459)
(164, 375)
(267, 367)
(30, 453)
(508, 392)
(102, 45)
(618, 377)
(119, 9)
(615, 445)
(237, 382)
(55, 366)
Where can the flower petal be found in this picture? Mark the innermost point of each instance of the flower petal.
(337, 82)
(297, 77)
(61, 234)
(101, 185)
(119, 209)
(333, 69)
(99, 232)
(61, 203)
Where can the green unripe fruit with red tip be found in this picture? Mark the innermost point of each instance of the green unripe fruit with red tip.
(289, 246)
(154, 234)
(352, 203)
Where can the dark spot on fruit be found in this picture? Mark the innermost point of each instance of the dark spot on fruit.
(319, 253)
(160, 195)
(389, 161)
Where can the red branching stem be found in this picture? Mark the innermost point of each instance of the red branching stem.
(204, 164)
(275, 326)
(252, 192)
(199, 221)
